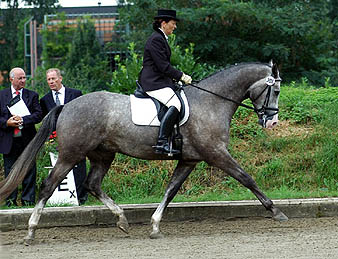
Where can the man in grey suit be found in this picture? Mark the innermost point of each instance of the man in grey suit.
(60, 95)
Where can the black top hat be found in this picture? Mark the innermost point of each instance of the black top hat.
(163, 13)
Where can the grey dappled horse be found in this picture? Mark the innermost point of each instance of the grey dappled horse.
(98, 125)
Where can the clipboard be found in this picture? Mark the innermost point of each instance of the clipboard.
(18, 107)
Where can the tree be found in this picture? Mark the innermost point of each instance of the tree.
(57, 40)
(76, 51)
(128, 69)
(41, 7)
(87, 66)
(9, 34)
(299, 35)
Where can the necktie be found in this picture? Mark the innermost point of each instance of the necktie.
(17, 130)
(57, 100)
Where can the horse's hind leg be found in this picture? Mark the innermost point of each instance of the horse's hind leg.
(48, 186)
(99, 167)
(182, 171)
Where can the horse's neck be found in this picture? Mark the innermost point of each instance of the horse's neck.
(220, 91)
(237, 83)
(231, 86)
(212, 109)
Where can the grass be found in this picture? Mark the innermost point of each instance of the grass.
(297, 159)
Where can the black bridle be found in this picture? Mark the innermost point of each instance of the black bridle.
(270, 81)
(261, 112)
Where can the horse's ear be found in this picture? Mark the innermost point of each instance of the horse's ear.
(271, 63)
(275, 71)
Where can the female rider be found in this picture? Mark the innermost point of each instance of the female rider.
(157, 75)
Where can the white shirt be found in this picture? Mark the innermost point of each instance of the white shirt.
(61, 95)
(165, 35)
(14, 91)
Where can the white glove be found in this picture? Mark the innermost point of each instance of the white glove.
(186, 79)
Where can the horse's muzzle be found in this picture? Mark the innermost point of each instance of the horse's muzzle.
(268, 122)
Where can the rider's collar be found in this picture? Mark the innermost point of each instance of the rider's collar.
(165, 35)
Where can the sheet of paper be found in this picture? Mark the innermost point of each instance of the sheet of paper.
(19, 108)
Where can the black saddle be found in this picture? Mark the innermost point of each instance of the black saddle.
(160, 107)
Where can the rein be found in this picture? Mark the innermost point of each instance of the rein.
(225, 98)
(269, 82)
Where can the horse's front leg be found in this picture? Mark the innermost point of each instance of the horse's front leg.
(231, 167)
(182, 171)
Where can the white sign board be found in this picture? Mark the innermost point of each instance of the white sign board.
(65, 192)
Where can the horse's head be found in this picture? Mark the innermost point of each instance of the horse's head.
(264, 95)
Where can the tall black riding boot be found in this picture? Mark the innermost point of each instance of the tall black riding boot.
(166, 128)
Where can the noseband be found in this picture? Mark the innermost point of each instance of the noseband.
(270, 81)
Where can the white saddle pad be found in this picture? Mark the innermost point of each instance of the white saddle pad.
(144, 113)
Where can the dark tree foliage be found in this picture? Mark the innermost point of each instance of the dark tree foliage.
(86, 66)
(10, 53)
(57, 40)
(40, 8)
(8, 33)
(300, 35)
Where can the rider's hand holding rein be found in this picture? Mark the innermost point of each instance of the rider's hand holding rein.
(186, 79)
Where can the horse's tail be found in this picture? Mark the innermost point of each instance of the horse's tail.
(27, 159)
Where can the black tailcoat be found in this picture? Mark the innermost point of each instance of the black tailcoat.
(157, 72)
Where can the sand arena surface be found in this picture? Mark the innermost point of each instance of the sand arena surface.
(241, 238)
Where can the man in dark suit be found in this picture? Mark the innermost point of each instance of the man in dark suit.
(16, 132)
(60, 95)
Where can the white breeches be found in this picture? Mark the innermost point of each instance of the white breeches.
(166, 96)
